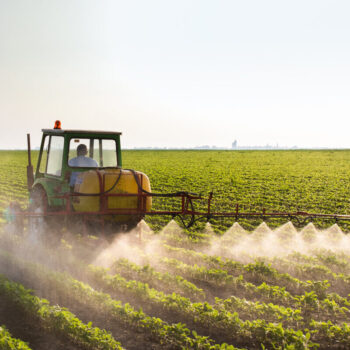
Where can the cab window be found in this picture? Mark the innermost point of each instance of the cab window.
(108, 156)
(98, 153)
(55, 155)
(43, 160)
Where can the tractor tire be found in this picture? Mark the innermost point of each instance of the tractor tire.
(15, 224)
(46, 228)
(37, 225)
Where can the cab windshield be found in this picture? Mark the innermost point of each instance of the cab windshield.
(92, 153)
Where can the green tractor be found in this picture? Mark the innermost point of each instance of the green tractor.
(79, 181)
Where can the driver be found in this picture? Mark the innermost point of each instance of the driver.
(81, 161)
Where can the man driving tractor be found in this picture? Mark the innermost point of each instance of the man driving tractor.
(82, 161)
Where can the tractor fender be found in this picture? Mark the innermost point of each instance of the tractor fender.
(37, 189)
(47, 185)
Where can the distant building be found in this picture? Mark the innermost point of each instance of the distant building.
(234, 144)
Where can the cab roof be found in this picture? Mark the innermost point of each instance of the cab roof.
(83, 132)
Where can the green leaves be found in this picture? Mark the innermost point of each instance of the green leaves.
(9, 343)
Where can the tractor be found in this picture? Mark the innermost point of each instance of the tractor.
(79, 179)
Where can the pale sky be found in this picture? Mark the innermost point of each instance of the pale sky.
(177, 73)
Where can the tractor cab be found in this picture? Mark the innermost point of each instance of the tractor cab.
(64, 154)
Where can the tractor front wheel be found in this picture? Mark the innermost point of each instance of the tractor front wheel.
(36, 221)
(14, 219)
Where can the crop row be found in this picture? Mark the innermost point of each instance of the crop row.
(309, 304)
(165, 281)
(58, 319)
(245, 308)
(306, 271)
(174, 302)
(337, 262)
(217, 271)
(221, 322)
(333, 305)
(303, 267)
(220, 282)
(256, 273)
(176, 335)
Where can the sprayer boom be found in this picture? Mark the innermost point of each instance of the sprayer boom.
(186, 212)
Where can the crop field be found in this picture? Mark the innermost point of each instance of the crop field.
(223, 285)
(315, 181)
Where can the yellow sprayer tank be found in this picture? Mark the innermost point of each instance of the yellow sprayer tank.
(111, 181)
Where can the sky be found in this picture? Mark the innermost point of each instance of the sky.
(177, 73)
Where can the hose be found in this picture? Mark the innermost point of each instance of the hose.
(101, 193)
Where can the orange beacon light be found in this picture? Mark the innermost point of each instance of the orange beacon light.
(57, 124)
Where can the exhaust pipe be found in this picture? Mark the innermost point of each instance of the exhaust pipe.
(30, 172)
